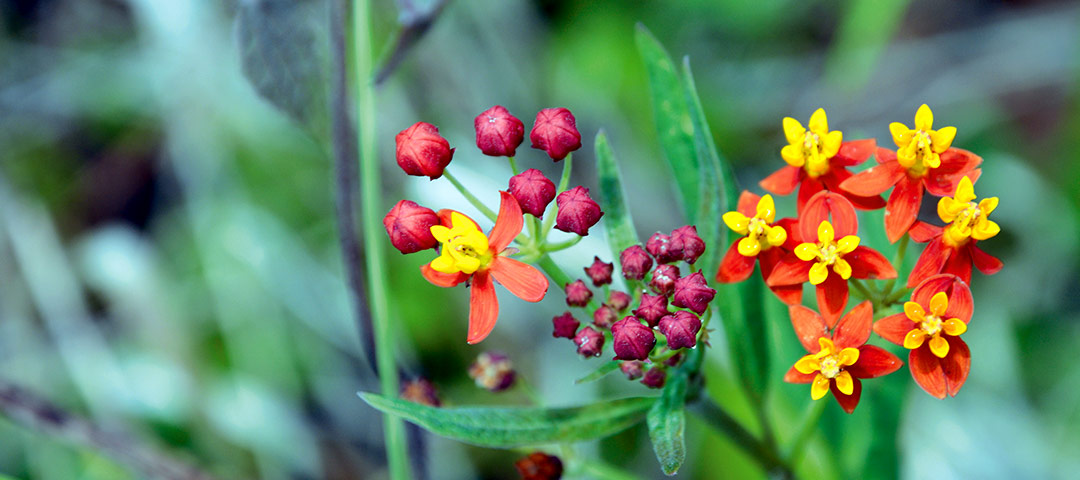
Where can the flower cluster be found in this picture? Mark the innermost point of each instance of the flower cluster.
(821, 246)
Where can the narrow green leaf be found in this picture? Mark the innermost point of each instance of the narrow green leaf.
(618, 224)
(712, 204)
(673, 123)
(600, 372)
(511, 427)
(667, 421)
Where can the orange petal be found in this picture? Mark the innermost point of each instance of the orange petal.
(894, 328)
(832, 297)
(439, 279)
(923, 232)
(789, 294)
(927, 372)
(483, 307)
(807, 189)
(795, 376)
(930, 262)
(446, 213)
(748, 203)
(874, 362)
(869, 263)
(956, 364)
(955, 164)
(735, 267)
(986, 263)
(507, 225)
(855, 152)
(873, 181)
(959, 262)
(809, 327)
(789, 271)
(831, 206)
(854, 329)
(783, 181)
(522, 279)
(960, 305)
(903, 207)
(848, 402)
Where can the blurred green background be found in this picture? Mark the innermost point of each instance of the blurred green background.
(169, 266)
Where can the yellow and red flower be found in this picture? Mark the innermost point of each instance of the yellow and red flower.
(938, 313)
(764, 238)
(817, 159)
(838, 360)
(952, 249)
(468, 254)
(923, 159)
(834, 258)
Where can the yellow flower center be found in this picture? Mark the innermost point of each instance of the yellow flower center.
(759, 234)
(932, 325)
(811, 148)
(967, 218)
(827, 253)
(829, 364)
(464, 247)
(919, 149)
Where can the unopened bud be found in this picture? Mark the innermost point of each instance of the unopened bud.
(686, 240)
(680, 329)
(533, 191)
(589, 342)
(577, 211)
(619, 300)
(498, 133)
(635, 262)
(577, 294)
(652, 308)
(693, 292)
(565, 326)
(599, 272)
(631, 339)
(539, 466)
(604, 316)
(409, 227)
(421, 391)
(663, 279)
(555, 132)
(422, 152)
(633, 369)
(660, 246)
(492, 372)
(654, 378)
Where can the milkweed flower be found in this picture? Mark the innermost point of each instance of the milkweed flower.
(817, 159)
(952, 249)
(924, 160)
(840, 359)
(468, 254)
(763, 239)
(930, 327)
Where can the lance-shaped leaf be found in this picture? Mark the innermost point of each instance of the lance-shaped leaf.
(618, 225)
(667, 422)
(600, 372)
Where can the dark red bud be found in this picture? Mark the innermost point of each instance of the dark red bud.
(660, 246)
(492, 372)
(539, 466)
(533, 191)
(652, 308)
(619, 300)
(577, 211)
(422, 152)
(577, 294)
(633, 369)
(555, 132)
(421, 391)
(409, 227)
(686, 240)
(693, 292)
(604, 316)
(654, 378)
(680, 329)
(632, 340)
(599, 272)
(498, 133)
(589, 342)
(635, 262)
(663, 279)
(565, 326)
(674, 360)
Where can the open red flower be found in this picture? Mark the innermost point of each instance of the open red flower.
(834, 258)
(924, 160)
(931, 325)
(764, 238)
(838, 360)
(951, 249)
(468, 254)
(817, 160)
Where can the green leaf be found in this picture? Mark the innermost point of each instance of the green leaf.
(667, 421)
(618, 224)
(712, 203)
(673, 123)
(511, 427)
(600, 372)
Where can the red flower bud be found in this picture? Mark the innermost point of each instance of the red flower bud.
(660, 246)
(589, 342)
(539, 466)
(663, 279)
(635, 262)
(409, 227)
(422, 152)
(533, 191)
(654, 378)
(633, 369)
(674, 360)
(555, 132)
(619, 300)
(599, 272)
(692, 292)
(421, 391)
(604, 316)
(687, 241)
(498, 133)
(565, 326)
(492, 372)
(652, 308)
(631, 339)
(577, 211)
(577, 294)
(680, 329)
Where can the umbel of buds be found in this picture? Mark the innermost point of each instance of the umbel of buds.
(663, 279)
(693, 293)
(577, 294)
(687, 241)
(632, 340)
(589, 342)
(635, 262)
(565, 326)
(652, 308)
(600, 272)
(498, 133)
(533, 191)
(492, 372)
(555, 132)
(409, 227)
(422, 152)
(619, 300)
(680, 329)
(577, 211)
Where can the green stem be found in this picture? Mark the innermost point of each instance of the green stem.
(561, 246)
(806, 430)
(374, 247)
(895, 297)
(513, 165)
(568, 165)
(560, 277)
(723, 422)
(863, 290)
(470, 197)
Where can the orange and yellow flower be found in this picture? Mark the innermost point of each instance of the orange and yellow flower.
(763, 238)
(952, 249)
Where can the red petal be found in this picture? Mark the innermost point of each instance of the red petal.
(768, 259)
(795, 376)
(808, 188)
(986, 263)
(827, 206)
(930, 263)
(961, 303)
(783, 181)
(894, 328)
(885, 155)
(483, 307)
(790, 271)
(927, 372)
(832, 297)
(794, 238)
(836, 177)
(809, 327)
(874, 362)
(956, 364)
(854, 152)
(854, 329)
(869, 263)
(439, 279)
(955, 164)
(903, 207)
(523, 280)
(444, 218)
(959, 263)
(789, 294)
(923, 232)
(847, 402)
(735, 267)
(748, 203)
(873, 181)
(507, 225)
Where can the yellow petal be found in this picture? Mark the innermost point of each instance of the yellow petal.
(924, 118)
(766, 209)
(794, 131)
(901, 134)
(458, 219)
(749, 246)
(444, 263)
(776, 236)
(818, 273)
(938, 303)
(844, 383)
(932, 160)
(476, 240)
(843, 268)
(819, 124)
(954, 326)
(914, 312)
(848, 357)
(847, 244)
(808, 364)
(914, 339)
(965, 191)
(737, 222)
(984, 229)
(826, 345)
(948, 209)
(793, 155)
(942, 139)
(939, 346)
(466, 263)
(825, 233)
(906, 155)
(988, 204)
(820, 387)
(441, 233)
(830, 145)
(807, 251)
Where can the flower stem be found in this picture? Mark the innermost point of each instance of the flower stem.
(513, 165)
(470, 197)
(559, 276)
(568, 165)
(863, 291)
(562, 246)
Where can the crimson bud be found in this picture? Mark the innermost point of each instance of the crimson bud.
(577, 294)
(565, 326)
(604, 316)
(409, 227)
(498, 133)
(635, 262)
(688, 242)
(652, 308)
(492, 372)
(422, 152)
(632, 340)
(599, 272)
(692, 292)
(680, 329)
(555, 132)
(663, 279)
(589, 342)
(654, 378)
(633, 369)
(533, 191)
(577, 211)
(660, 246)
(539, 466)
(619, 300)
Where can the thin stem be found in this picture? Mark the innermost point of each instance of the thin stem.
(895, 297)
(470, 197)
(513, 165)
(563, 245)
(568, 165)
(863, 290)
(806, 430)
(559, 276)
(374, 247)
(722, 421)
